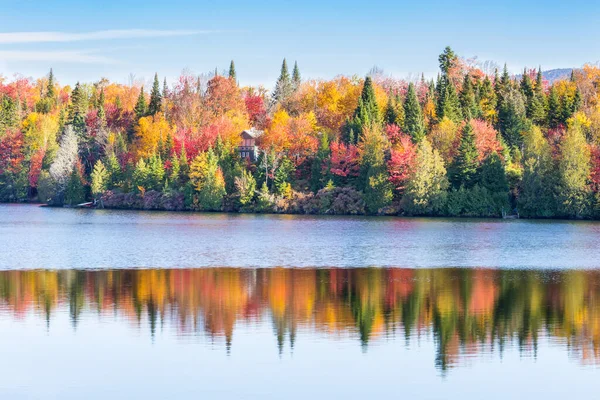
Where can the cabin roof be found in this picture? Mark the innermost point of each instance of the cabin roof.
(253, 133)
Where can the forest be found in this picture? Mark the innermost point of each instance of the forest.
(473, 142)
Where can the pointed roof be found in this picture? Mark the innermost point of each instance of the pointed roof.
(253, 133)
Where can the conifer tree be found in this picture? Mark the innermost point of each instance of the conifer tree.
(463, 171)
(493, 176)
(232, 74)
(390, 115)
(283, 88)
(536, 109)
(554, 108)
(366, 114)
(141, 108)
(296, 78)
(165, 91)
(155, 98)
(468, 101)
(50, 91)
(413, 116)
(448, 102)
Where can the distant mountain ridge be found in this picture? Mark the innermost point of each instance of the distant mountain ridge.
(553, 75)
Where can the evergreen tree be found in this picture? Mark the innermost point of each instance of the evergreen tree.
(78, 104)
(390, 115)
(448, 102)
(50, 91)
(511, 116)
(296, 78)
(319, 173)
(413, 116)
(487, 100)
(536, 109)
(75, 191)
(468, 101)
(283, 88)
(366, 114)
(165, 91)
(463, 171)
(100, 179)
(155, 98)
(492, 175)
(141, 108)
(447, 59)
(232, 74)
(101, 110)
(554, 108)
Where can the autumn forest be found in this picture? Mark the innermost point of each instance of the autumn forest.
(471, 142)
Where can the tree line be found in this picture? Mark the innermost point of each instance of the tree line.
(468, 143)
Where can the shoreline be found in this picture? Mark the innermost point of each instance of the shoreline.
(368, 216)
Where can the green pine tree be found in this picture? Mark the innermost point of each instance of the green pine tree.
(141, 107)
(296, 78)
(283, 88)
(232, 73)
(366, 114)
(463, 171)
(155, 105)
(414, 125)
(50, 91)
(468, 101)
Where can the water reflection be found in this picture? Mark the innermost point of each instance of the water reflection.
(465, 312)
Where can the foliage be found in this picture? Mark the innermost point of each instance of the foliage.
(207, 178)
(425, 192)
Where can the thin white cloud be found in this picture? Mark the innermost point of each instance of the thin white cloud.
(55, 56)
(47, 37)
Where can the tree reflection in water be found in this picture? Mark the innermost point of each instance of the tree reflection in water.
(466, 312)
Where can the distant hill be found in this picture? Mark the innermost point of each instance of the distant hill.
(553, 75)
(557, 74)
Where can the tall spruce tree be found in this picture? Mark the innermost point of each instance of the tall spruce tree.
(463, 171)
(50, 91)
(414, 124)
(155, 105)
(537, 107)
(283, 88)
(468, 101)
(449, 104)
(296, 78)
(554, 115)
(366, 114)
(141, 107)
(232, 73)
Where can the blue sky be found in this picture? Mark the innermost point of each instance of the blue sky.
(325, 37)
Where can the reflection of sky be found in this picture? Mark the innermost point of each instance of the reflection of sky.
(34, 237)
(106, 358)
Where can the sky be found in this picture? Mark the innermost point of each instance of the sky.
(85, 40)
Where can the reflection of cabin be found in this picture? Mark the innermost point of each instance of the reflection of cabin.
(248, 148)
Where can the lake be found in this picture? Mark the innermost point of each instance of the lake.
(101, 304)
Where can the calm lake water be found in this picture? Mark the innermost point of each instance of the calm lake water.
(109, 304)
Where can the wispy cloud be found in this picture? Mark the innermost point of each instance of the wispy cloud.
(56, 56)
(47, 37)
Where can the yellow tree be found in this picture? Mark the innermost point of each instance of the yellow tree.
(149, 133)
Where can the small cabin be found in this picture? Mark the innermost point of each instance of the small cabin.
(249, 148)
